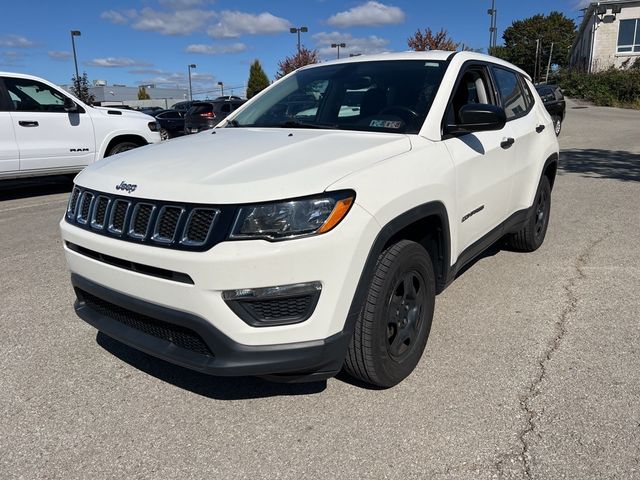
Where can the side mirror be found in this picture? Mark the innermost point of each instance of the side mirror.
(69, 105)
(478, 117)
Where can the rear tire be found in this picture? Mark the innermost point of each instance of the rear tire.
(557, 124)
(121, 147)
(392, 329)
(532, 234)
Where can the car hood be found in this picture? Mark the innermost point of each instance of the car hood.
(241, 165)
(125, 113)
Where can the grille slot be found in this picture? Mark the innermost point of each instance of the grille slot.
(140, 220)
(179, 336)
(118, 216)
(167, 224)
(73, 203)
(84, 208)
(100, 212)
(199, 226)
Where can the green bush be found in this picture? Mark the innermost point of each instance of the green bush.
(611, 88)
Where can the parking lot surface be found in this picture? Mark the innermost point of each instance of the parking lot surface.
(532, 369)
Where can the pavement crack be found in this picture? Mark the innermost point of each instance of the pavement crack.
(571, 304)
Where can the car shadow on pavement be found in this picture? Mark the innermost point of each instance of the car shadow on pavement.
(596, 163)
(219, 388)
(34, 187)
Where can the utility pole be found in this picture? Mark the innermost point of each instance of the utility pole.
(535, 67)
(546, 79)
(493, 28)
(221, 88)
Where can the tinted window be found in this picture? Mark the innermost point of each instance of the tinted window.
(226, 108)
(200, 108)
(528, 97)
(511, 95)
(32, 96)
(392, 96)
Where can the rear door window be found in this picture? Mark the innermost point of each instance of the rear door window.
(511, 96)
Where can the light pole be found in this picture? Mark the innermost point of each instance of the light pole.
(493, 29)
(298, 30)
(338, 45)
(192, 65)
(221, 88)
(75, 33)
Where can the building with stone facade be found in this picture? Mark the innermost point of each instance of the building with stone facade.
(609, 36)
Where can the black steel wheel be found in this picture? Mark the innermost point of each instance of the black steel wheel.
(532, 235)
(392, 329)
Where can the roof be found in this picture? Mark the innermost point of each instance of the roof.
(435, 55)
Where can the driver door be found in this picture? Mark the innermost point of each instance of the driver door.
(48, 137)
(481, 161)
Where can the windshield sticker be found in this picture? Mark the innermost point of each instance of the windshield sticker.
(394, 124)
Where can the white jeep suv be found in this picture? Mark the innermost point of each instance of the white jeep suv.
(312, 230)
(47, 131)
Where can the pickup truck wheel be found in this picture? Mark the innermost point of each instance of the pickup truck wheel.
(532, 234)
(392, 329)
(121, 147)
(557, 125)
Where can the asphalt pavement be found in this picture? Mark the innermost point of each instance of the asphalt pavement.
(532, 369)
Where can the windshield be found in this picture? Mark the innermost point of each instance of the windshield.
(388, 96)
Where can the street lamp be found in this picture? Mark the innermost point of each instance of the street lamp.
(221, 88)
(338, 45)
(75, 33)
(298, 30)
(192, 65)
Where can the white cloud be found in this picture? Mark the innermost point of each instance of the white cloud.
(60, 55)
(233, 24)
(180, 22)
(11, 58)
(216, 49)
(363, 45)
(118, 17)
(182, 4)
(16, 41)
(115, 62)
(371, 13)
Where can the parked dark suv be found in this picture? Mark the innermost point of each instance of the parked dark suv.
(553, 100)
(207, 114)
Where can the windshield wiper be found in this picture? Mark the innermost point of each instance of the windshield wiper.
(297, 124)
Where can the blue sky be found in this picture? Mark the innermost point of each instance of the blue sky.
(152, 41)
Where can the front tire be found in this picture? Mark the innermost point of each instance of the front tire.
(392, 329)
(121, 147)
(531, 236)
(164, 134)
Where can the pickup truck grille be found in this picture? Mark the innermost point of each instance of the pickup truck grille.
(163, 224)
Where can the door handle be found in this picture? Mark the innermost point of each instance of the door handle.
(507, 142)
(540, 128)
(28, 123)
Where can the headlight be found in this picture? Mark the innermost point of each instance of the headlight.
(293, 218)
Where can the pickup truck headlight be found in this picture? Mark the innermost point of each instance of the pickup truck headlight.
(292, 218)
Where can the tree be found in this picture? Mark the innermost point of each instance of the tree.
(142, 93)
(520, 41)
(258, 80)
(430, 41)
(80, 88)
(293, 62)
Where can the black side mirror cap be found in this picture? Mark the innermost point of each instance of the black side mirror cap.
(478, 117)
(69, 105)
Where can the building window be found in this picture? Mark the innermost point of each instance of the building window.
(629, 36)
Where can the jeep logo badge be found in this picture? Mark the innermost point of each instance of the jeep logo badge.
(127, 187)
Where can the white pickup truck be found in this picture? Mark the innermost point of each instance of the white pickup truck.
(46, 131)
